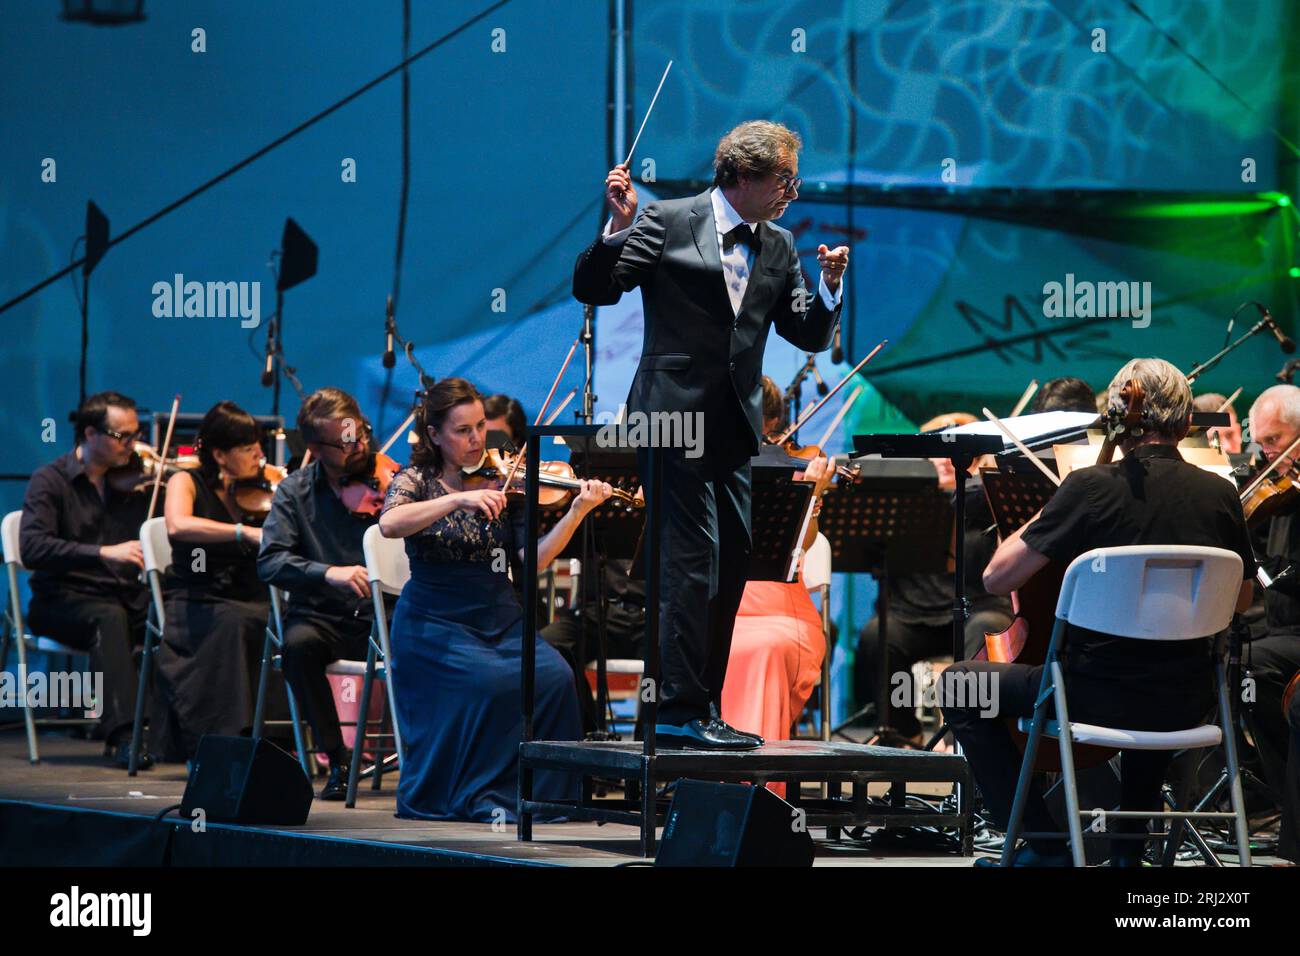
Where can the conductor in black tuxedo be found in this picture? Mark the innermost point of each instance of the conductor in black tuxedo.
(715, 275)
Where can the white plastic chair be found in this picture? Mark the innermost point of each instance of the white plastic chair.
(388, 569)
(157, 551)
(15, 629)
(1144, 592)
(816, 576)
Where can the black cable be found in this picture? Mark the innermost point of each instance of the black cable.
(402, 200)
(249, 160)
(164, 811)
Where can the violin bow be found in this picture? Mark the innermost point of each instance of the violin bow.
(541, 412)
(562, 406)
(839, 417)
(1024, 449)
(1272, 466)
(1230, 399)
(1024, 399)
(162, 455)
(785, 435)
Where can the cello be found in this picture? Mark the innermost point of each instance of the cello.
(1026, 640)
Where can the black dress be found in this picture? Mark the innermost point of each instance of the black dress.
(215, 620)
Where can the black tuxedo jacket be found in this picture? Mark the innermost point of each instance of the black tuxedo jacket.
(697, 355)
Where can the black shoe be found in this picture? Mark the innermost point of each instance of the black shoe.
(119, 755)
(704, 734)
(1026, 855)
(336, 786)
(713, 712)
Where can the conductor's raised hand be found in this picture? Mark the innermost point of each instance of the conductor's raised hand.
(622, 197)
(487, 501)
(833, 263)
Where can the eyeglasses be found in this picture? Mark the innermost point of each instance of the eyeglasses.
(121, 436)
(789, 183)
(345, 445)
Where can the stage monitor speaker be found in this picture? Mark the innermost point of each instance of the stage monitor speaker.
(731, 824)
(246, 780)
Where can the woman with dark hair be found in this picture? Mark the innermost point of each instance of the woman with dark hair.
(506, 414)
(457, 636)
(215, 606)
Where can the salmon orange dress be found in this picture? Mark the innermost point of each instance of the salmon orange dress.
(776, 657)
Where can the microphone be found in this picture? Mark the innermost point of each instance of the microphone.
(1285, 341)
(390, 357)
(822, 387)
(267, 375)
(837, 350)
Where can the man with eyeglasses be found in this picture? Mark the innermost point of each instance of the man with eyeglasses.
(715, 275)
(311, 547)
(80, 539)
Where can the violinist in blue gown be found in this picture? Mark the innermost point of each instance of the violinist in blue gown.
(457, 635)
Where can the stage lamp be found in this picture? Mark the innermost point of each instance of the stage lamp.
(103, 13)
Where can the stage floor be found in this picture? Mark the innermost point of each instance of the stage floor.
(72, 774)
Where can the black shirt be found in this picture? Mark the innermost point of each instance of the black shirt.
(307, 532)
(1282, 598)
(229, 568)
(65, 521)
(925, 598)
(1152, 496)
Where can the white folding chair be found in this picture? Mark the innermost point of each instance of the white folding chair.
(816, 576)
(272, 658)
(1144, 592)
(388, 570)
(157, 551)
(15, 630)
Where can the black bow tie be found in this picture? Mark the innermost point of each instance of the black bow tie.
(742, 234)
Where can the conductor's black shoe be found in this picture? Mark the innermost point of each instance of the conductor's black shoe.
(703, 734)
(1026, 855)
(713, 712)
(119, 755)
(336, 785)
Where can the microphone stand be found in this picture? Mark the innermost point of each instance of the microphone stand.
(1219, 356)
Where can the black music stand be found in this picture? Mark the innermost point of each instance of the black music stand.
(651, 546)
(962, 451)
(894, 521)
(778, 505)
(613, 530)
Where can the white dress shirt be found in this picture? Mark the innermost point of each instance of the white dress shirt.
(736, 263)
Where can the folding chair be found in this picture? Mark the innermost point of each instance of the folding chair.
(1143, 592)
(272, 657)
(15, 629)
(388, 569)
(157, 551)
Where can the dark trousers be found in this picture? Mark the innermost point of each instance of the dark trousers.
(110, 627)
(1273, 661)
(311, 643)
(909, 643)
(704, 563)
(995, 760)
(624, 631)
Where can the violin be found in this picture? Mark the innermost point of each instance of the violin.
(251, 497)
(809, 452)
(557, 481)
(1273, 495)
(1273, 491)
(363, 493)
(140, 472)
